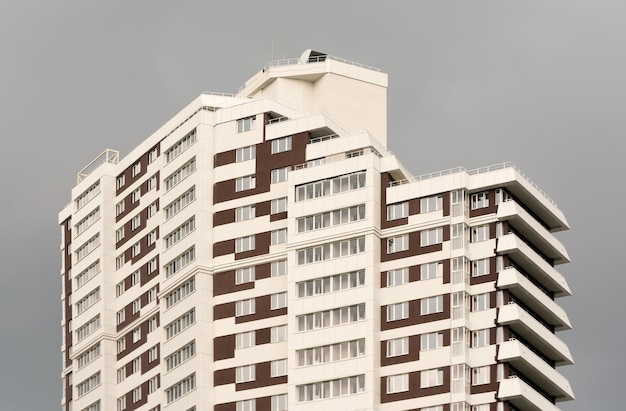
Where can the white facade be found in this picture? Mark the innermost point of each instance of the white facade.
(265, 251)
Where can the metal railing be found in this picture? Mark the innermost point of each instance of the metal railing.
(481, 170)
(107, 156)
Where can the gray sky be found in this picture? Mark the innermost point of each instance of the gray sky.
(539, 83)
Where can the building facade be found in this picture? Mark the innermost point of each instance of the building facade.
(265, 251)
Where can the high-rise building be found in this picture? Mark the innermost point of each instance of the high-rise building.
(265, 251)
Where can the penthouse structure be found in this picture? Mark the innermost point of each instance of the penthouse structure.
(265, 251)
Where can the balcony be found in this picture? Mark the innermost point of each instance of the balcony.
(535, 368)
(523, 396)
(532, 230)
(531, 295)
(533, 263)
(527, 327)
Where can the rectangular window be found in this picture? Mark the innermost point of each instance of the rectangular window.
(430, 237)
(278, 301)
(180, 324)
(432, 203)
(481, 375)
(480, 267)
(181, 202)
(245, 183)
(244, 307)
(432, 305)
(245, 124)
(281, 144)
(279, 268)
(432, 341)
(481, 338)
(398, 311)
(180, 146)
(278, 236)
(278, 368)
(245, 373)
(431, 378)
(331, 283)
(245, 154)
(480, 302)
(397, 346)
(397, 277)
(480, 200)
(278, 333)
(180, 262)
(397, 383)
(245, 340)
(245, 213)
(279, 205)
(279, 175)
(398, 243)
(397, 211)
(180, 356)
(244, 275)
(480, 233)
(180, 388)
(431, 270)
(179, 175)
(245, 244)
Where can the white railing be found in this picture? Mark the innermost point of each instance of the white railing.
(107, 156)
(476, 171)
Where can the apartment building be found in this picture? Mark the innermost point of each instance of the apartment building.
(265, 251)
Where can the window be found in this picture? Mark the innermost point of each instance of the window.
(136, 195)
(397, 346)
(397, 277)
(180, 324)
(87, 385)
(180, 146)
(480, 302)
(179, 175)
(180, 388)
(330, 353)
(278, 236)
(431, 270)
(244, 307)
(88, 356)
(154, 153)
(180, 262)
(397, 383)
(480, 267)
(246, 405)
(430, 237)
(432, 341)
(398, 243)
(245, 183)
(245, 124)
(480, 200)
(181, 202)
(245, 153)
(279, 268)
(245, 373)
(333, 388)
(480, 233)
(431, 378)
(335, 185)
(481, 375)
(278, 368)
(278, 333)
(398, 311)
(180, 232)
(279, 205)
(279, 402)
(87, 274)
(181, 355)
(136, 168)
(281, 144)
(245, 340)
(330, 318)
(120, 181)
(397, 211)
(245, 244)
(279, 175)
(330, 284)
(481, 338)
(432, 203)
(135, 222)
(432, 305)
(245, 213)
(137, 394)
(278, 300)
(244, 275)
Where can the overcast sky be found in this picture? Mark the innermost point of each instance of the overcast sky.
(473, 83)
